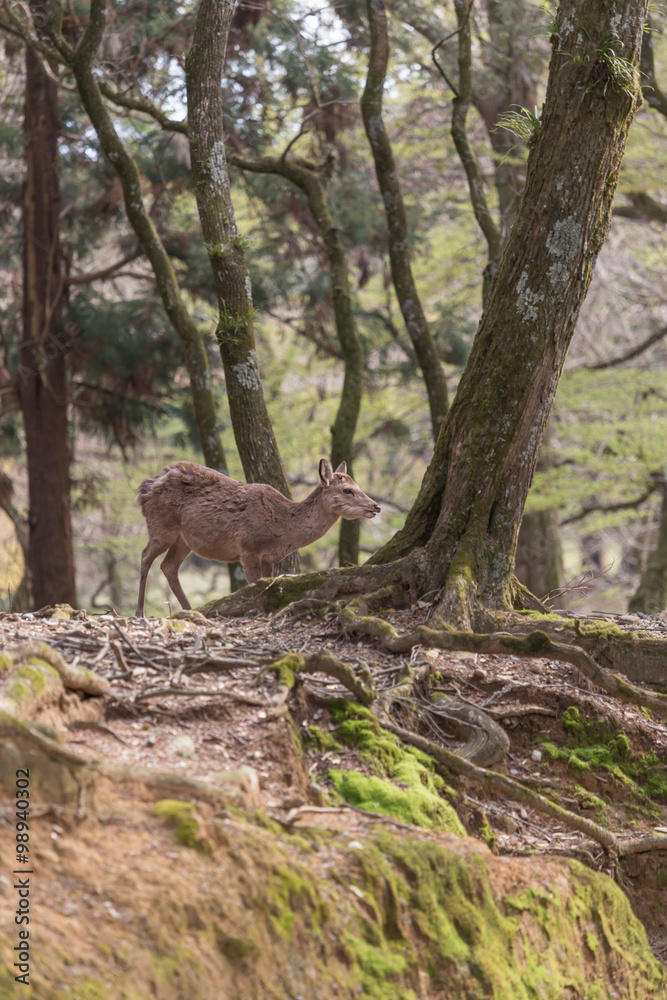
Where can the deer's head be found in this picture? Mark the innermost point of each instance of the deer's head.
(342, 496)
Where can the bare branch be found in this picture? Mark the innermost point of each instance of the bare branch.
(146, 107)
(611, 507)
(631, 353)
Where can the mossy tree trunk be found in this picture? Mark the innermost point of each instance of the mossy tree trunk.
(467, 513)
(651, 594)
(82, 62)
(253, 431)
(41, 380)
(397, 223)
(313, 180)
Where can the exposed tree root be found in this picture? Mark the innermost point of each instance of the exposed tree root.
(401, 582)
(487, 741)
(500, 782)
(359, 684)
(29, 736)
(74, 678)
(194, 692)
(535, 644)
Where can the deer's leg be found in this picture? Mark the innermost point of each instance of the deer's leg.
(155, 548)
(170, 566)
(252, 567)
(267, 567)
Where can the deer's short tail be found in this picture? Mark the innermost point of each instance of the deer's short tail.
(144, 494)
(146, 491)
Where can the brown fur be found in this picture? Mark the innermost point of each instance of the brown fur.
(189, 508)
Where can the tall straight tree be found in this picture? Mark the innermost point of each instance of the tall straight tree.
(41, 380)
(253, 431)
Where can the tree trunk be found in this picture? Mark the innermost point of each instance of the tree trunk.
(21, 600)
(460, 105)
(397, 223)
(42, 377)
(81, 60)
(313, 181)
(471, 502)
(253, 432)
(651, 594)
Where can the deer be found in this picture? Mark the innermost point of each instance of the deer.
(190, 508)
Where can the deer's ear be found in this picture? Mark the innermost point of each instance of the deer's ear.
(326, 472)
(342, 467)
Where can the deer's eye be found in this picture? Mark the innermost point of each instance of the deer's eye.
(348, 491)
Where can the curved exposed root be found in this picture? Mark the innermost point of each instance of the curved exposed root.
(500, 782)
(402, 581)
(74, 678)
(28, 735)
(535, 644)
(493, 779)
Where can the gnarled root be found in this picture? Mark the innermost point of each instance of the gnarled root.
(403, 582)
(535, 644)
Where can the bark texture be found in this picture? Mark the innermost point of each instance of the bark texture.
(313, 180)
(41, 380)
(397, 223)
(471, 501)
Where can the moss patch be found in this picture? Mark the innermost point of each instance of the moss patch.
(592, 745)
(414, 792)
(319, 739)
(182, 816)
(417, 804)
(286, 669)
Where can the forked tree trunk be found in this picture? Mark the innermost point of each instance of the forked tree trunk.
(82, 62)
(253, 431)
(470, 505)
(41, 380)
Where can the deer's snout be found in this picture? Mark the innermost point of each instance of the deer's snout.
(374, 511)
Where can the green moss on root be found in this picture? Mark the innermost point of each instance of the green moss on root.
(416, 805)
(320, 740)
(592, 745)
(415, 799)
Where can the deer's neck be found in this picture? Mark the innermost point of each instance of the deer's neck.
(310, 520)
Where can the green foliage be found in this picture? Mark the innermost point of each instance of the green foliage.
(620, 71)
(523, 123)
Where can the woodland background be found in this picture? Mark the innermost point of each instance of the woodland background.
(294, 74)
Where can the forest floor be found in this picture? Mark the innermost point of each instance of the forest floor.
(568, 740)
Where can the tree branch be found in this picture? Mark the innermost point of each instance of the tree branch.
(611, 507)
(105, 272)
(146, 107)
(631, 353)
